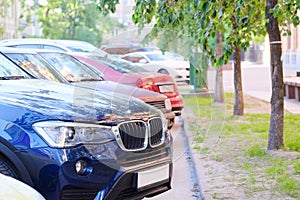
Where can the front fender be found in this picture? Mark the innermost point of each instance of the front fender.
(7, 150)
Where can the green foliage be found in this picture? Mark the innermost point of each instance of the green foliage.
(278, 168)
(240, 21)
(70, 19)
(3, 13)
(256, 150)
(286, 13)
(252, 126)
(289, 186)
(107, 6)
(243, 150)
(291, 130)
(296, 166)
(203, 104)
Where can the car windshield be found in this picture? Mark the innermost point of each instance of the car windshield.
(71, 68)
(82, 48)
(8, 70)
(36, 66)
(119, 65)
(156, 57)
(173, 56)
(85, 47)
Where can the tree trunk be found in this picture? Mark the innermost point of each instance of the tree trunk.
(238, 108)
(277, 100)
(219, 89)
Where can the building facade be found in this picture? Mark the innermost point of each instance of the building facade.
(291, 52)
(10, 19)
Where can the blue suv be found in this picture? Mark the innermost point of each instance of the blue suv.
(75, 143)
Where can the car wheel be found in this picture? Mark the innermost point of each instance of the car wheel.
(7, 168)
(163, 71)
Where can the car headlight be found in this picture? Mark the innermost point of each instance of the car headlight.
(67, 134)
(168, 104)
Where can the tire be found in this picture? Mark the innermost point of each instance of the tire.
(7, 168)
(163, 71)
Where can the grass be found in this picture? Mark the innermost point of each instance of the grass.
(296, 166)
(242, 142)
(255, 150)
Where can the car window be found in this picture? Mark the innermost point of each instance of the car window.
(51, 47)
(87, 48)
(156, 57)
(8, 68)
(35, 65)
(28, 46)
(72, 69)
(133, 58)
(82, 48)
(120, 65)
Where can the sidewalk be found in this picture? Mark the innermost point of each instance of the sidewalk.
(291, 105)
(256, 82)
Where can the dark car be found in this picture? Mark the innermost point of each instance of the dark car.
(66, 69)
(69, 142)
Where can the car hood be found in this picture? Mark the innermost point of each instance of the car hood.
(38, 100)
(116, 89)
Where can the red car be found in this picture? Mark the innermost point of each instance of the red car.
(127, 73)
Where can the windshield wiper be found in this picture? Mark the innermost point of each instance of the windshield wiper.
(90, 79)
(11, 77)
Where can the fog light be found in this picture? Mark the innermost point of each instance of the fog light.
(81, 167)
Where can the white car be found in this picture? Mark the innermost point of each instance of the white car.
(57, 45)
(16, 190)
(156, 61)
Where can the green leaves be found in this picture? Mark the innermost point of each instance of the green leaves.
(197, 21)
(295, 20)
(107, 6)
(286, 13)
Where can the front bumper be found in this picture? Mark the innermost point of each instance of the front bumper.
(114, 172)
(170, 116)
(177, 104)
(126, 187)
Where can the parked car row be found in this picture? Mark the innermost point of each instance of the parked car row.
(112, 69)
(153, 59)
(70, 134)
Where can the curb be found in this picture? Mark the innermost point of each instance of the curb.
(194, 176)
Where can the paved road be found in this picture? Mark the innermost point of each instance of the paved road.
(185, 184)
(256, 82)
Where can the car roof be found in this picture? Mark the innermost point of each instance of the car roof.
(39, 41)
(71, 42)
(126, 48)
(49, 51)
(16, 50)
(145, 52)
(64, 45)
